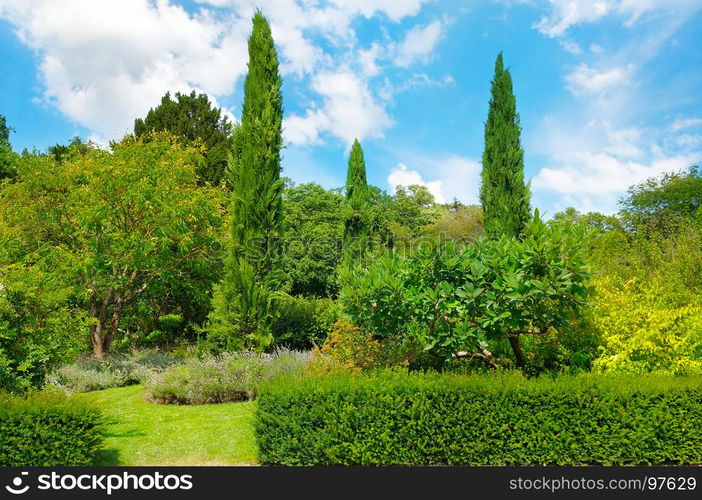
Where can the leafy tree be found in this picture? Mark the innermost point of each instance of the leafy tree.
(115, 226)
(243, 305)
(662, 204)
(62, 152)
(38, 329)
(458, 223)
(357, 224)
(503, 193)
(7, 157)
(314, 225)
(460, 298)
(193, 117)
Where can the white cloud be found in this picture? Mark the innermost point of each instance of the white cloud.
(418, 44)
(402, 176)
(572, 47)
(587, 80)
(596, 48)
(683, 123)
(105, 63)
(349, 111)
(446, 177)
(590, 168)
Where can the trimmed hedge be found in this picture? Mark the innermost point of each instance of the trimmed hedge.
(48, 429)
(399, 419)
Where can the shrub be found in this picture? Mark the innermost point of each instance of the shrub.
(301, 323)
(88, 373)
(38, 331)
(349, 349)
(644, 330)
(504, 419)
(218, 379)
(467, 296)
(48, 429)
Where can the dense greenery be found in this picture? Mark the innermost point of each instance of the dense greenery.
(460, 298)
(243, 306)
(38, 330)
(7, 157)
(399, 419)
(115, 228)
(45, 429)
(193, 119)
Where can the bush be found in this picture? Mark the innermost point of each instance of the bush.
(38, 331)
(88, 373)
(465, 297)
(48, 429)
(351, 350)
(400, 419)
(218, 379)
(301, 323)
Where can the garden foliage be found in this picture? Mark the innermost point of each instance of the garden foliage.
(48, 429)
(400, 419)
(461, 297)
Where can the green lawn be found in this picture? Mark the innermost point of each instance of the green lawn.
(142, 433)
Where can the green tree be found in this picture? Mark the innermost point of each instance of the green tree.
(243, 305)
(662, 204)
(115, 226)
(62, 152)
(357, 224)
(38, 329)
(314, 226)
(193, 117)
(7, 157)
(459, 298)
(504, 195)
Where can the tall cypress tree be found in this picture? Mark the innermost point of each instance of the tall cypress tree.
(357, 228)
(242, 311)
(503, 193)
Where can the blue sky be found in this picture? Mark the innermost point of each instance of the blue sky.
(608, 90)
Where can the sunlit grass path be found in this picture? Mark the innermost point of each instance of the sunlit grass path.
(142, 433)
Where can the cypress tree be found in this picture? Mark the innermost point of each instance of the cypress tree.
(242, 313)
(503, 193)
(356, 229)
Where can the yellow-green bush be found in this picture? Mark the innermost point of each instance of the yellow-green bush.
(646, 326)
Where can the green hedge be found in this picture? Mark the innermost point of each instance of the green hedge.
(47, 429)
(397, 419)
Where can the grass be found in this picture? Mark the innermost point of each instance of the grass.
(143, 433)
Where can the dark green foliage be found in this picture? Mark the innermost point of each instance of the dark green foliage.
(45, 429)
(62, 152)
(192, 117)
(462, 297)
(301, 323)
(503, 193)
(314, 225)
(663, 204)
(417, 419)
(243, 309)
(357, 223)
(7, 156)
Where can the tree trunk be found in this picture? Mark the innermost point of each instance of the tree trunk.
(517, 349)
